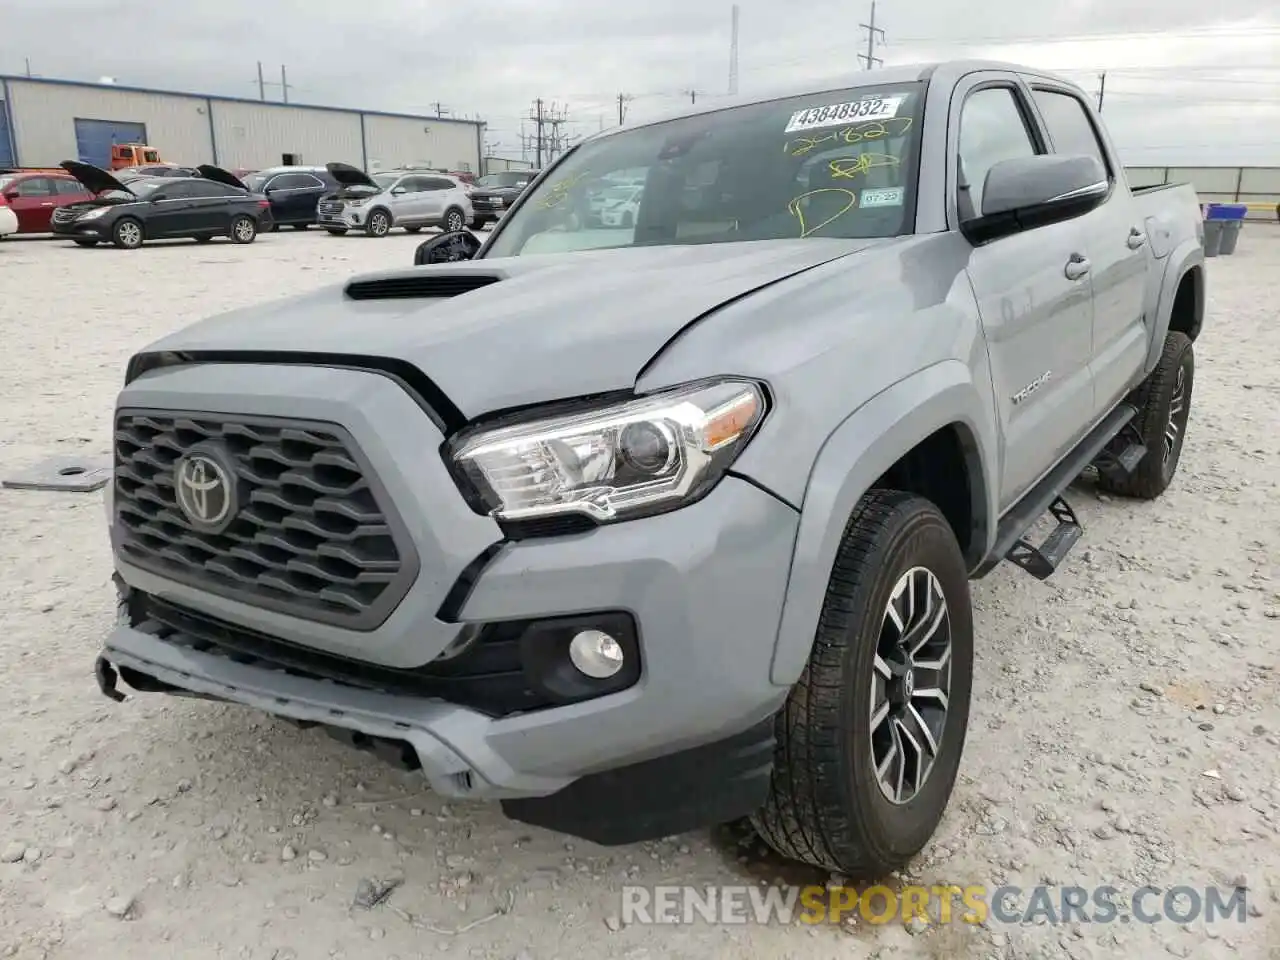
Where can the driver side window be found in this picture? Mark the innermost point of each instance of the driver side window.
(992, 128)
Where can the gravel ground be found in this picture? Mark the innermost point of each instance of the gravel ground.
(1125, 727)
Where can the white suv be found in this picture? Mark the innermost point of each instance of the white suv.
(411, 199)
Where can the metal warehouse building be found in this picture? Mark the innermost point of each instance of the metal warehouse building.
(43, 122)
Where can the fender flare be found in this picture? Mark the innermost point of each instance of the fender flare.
(1188, 255)
(858, 452)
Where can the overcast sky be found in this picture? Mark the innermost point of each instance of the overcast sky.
(1187, 81)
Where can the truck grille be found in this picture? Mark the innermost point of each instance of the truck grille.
(311, 536)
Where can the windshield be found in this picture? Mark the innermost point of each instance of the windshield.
(255, 183)
(833, 165)
(137, 188)
(507, 178)
(385, 180)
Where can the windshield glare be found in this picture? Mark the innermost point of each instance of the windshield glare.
(836, 165)
(384, 180)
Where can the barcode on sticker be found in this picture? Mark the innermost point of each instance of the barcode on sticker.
(853, 111)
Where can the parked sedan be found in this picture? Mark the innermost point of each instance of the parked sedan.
(294, 192)
(32, 198)
(214, 204)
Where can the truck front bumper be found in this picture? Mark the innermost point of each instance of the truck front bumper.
(688, 743)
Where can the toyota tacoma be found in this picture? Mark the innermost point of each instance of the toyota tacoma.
(638, 529)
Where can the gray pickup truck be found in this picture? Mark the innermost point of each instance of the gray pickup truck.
(642, 528)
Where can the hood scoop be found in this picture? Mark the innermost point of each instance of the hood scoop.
(413, 286)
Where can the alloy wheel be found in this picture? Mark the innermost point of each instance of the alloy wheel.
(1178, 413)
(910, 685)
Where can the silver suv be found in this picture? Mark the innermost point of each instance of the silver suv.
(397, 198)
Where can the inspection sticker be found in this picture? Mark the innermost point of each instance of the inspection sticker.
(885, 197)
(854, 111)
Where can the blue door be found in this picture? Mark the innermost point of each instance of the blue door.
(6, 146)
(95, 137)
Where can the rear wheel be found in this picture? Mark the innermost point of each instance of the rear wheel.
(335, 231)
(379, 224)
(870, 739)
(127, 234)
(454, 220)
(1164, 406)
(243, 229)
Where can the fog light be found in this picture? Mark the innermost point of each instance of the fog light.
(596, 654)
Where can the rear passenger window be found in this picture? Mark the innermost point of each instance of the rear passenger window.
(1069, 126)
(992, 129)
(68, 188)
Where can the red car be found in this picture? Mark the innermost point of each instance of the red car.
(34, 196)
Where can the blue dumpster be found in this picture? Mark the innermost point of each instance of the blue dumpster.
(1222, 224)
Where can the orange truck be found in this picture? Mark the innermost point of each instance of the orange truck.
(125, 155)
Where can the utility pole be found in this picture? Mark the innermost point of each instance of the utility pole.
(623, 100)
(441, 110)
(874, 33)
(733, 52)
(262, 87)
(28, 62)
(693, 95)
(284, 84)
(538, 121)
(1102, 88)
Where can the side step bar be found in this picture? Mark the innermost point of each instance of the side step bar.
(1113, 445)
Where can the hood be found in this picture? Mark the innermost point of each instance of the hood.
(501, 333)
(349, 176)
(95, 179)
(210, 172)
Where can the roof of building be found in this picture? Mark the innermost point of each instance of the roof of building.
(6, 79)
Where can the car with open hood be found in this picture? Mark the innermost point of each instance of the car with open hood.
(639, 528)
(127, 213)
(377, 203)
(293, 191)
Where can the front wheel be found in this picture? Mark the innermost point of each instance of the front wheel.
(1164, 406)
(127, 234)
(243, 230)
(379, 224)
(870, 739)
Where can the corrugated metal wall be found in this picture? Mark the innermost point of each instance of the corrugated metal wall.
(257, 135)
(397, 141)
(191, 129)
(44, 115)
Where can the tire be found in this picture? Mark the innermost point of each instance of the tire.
(826, 806)
(243, 230)
(412, 229)
(378, 224)
(1164, 405)
(453, 221)
(85, 243)
(127, 234)
(335, 231)
(274, 228)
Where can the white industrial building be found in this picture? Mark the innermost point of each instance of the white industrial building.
(43, 122)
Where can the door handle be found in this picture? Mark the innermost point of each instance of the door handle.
(1136, 238)
(1077, 266)
(49, 204)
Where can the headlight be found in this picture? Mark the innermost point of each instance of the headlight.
(356, 203)
(94, 214)
(643, 456)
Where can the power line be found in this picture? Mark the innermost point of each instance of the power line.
(869, 59)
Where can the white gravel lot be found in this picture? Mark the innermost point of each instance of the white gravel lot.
(1126, 722)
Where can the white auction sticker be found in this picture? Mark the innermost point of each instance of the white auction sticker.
(884, 197)
(854, 111)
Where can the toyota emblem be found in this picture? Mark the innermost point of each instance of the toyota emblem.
(205, 492)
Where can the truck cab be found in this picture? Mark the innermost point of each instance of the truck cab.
(133, 155)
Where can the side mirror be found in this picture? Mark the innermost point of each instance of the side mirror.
(447, 248)
(1031, 192)
(396, 191)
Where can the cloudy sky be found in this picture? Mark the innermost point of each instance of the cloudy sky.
(1186, 81)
